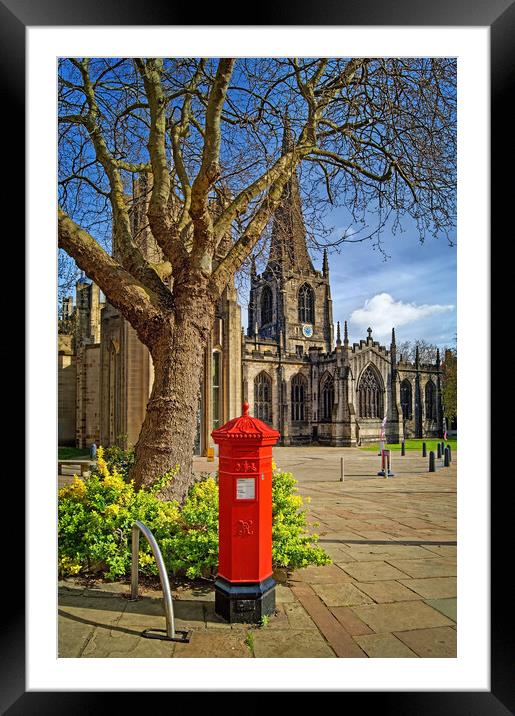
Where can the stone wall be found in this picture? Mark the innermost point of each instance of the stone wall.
(66, 398)
(88, 395)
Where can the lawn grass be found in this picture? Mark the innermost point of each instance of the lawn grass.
(431, 444)
(70, 453)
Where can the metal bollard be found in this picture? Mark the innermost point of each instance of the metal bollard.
(439, 450)
(446, 458)
(342, 474)
(403, 447)
(432, 467)
(424, 450)
(389, 472)
(450, 453)
(170, 633)
(382, 471)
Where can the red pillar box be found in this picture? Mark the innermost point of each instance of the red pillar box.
(244, 587)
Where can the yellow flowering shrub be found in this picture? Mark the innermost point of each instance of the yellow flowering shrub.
(96, 514)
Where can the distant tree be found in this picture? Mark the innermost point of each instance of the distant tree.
(449, 383)
(426, 351)
(372, 134)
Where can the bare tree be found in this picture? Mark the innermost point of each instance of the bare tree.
(377, 135)
(426, 351)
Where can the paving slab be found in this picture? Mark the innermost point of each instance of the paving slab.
(329, 574)
(94, 611)
(442, 550)
(373, 552)
(448, 607)
(426, 567)
(400, 616)
(338, 638)
(104, 644)
(384, 646)
(283, 594)
(341, 595)
(297, 616)
(350, 621)
(387, 591)
(372, 571)
(290, 644)
(214, 644)
(431, 643)
(432, 587)
(72, 637)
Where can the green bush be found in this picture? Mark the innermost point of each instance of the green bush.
(96, 514)
(122, 460)
(292, 546)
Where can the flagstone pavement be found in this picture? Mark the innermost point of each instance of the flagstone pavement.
(390, 591)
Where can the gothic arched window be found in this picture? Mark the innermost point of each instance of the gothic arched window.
(298, 398)
(327, 398)
(430, 400)
(306, 304)
(113, 392)
(266, 305)
(370, 395)
(263, 397)
(406, 400)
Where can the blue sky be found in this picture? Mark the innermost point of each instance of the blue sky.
(413, 290)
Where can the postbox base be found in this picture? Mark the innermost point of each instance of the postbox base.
(244, 603)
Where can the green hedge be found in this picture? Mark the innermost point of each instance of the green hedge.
(96, 514)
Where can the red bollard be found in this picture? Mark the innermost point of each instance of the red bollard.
(244, 587)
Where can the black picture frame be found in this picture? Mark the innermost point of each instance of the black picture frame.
(499, 16)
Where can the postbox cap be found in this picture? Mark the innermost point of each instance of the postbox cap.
(246, 427)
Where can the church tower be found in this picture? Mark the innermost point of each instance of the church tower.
(290, 302)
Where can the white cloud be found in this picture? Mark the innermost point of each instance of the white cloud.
(382, 312)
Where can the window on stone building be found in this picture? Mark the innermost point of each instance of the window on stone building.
(113, 392)
(263, 397)
(300, 351)
(430, 396)
(298, 398)
(216, 385)
(306, 304)
(370, 395)
(326, 397)
(406, 400)
(266, 305)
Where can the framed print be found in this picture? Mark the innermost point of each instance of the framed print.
(30, 683)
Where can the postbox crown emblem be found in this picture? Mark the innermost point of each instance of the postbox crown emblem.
(245, 427)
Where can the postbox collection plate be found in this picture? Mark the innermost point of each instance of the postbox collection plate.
(246, 488)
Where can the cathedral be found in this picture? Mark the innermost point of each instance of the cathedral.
(310, 385)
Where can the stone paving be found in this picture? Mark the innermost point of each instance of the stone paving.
(390, 592)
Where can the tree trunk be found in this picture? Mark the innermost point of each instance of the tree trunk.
(167, 436)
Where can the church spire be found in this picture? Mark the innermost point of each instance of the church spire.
(345, 335)
(338, 337)
(393, 351)
(288, 248)
(325, 265)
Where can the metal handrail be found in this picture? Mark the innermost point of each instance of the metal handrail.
(171, 632)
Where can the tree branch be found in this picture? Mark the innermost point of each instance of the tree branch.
(203, 241)
(135, 301)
